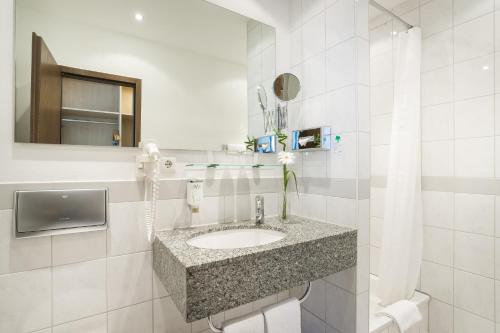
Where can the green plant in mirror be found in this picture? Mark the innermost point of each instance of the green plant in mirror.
(285, 158)
(250, 143)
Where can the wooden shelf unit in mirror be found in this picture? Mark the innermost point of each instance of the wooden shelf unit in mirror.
(82, 107)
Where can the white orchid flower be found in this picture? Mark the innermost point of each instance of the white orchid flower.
(286, 158)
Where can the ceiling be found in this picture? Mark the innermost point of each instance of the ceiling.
(189, 24)
(389, 4)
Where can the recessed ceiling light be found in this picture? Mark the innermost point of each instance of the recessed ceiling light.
(139, 17)
(486, 67)
(394, 33)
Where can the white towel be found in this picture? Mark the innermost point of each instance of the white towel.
(283, 317)
(251, 323)
(404, 313)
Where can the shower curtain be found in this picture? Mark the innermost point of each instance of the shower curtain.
(401, 251)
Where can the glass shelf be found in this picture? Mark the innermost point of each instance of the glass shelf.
(230, 165)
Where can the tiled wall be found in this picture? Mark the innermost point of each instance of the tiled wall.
(103, 281)
(460, 156)
(329, 54)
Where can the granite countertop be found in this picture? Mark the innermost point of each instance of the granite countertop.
(297, 230)
(207, 281)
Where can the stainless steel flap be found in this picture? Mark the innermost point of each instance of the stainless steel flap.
(49, 210)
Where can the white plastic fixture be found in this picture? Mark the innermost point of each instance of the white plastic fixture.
(236, 238)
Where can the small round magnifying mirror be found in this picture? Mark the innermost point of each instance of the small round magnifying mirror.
(286, 87)
(261, 94)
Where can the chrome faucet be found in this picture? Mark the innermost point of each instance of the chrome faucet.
(259, 209)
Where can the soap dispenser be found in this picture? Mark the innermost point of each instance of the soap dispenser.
(194, 194)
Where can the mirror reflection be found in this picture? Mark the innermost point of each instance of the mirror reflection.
(113, 73)
(286, 87)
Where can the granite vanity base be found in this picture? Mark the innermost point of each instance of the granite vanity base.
(202, 282)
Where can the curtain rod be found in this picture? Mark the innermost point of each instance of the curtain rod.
(387, 11)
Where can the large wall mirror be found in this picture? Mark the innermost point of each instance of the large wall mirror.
(115, 72)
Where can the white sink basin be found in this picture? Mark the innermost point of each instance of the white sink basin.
(235, 238)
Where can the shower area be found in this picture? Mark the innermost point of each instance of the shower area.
(434, 163)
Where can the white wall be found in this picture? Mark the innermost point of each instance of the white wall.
(24, 162)
(182, 90)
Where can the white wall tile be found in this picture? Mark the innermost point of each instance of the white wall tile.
(79, 290)
(171, 214)
(437, 280)
(436, 16)
(341, 68)
(377, 202)
(94, 324)
(311, 8)
(342, 163)
(21, 254)
(313, 112)
(126, 229)
(466, 322)
(464, 10)
(438, 245)
(313, 36)
(345, 279)
(296, 49)
(438, 208)
(132, 319)
(167, 318)
(497, 30)
(342, 318)
(310, 205)
(83, 246)
(497, 259)
(310, 323)
(25, 304)
(475, 213)
(211, 210)
(374, 259)
(381, 68)
(474, 253)
(474, 293)
(474, 157)
(437, 50)
(339, 22)
(363, 269)
(314, 76)
(341, 109)
(341, 211)
(314, 164)
(316, 302)
(381, 39)
(129, 279)
(437, 122)
(474, 38)
(474, 117)
(440, 317)
(381, 99)
(362, 312)
(437, 158)
(497, 216)
(437, 86)
(238, 207)
(474, 78)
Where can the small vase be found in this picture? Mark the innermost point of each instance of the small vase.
(284, 207)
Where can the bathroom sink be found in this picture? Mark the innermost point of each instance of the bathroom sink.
(236, 238)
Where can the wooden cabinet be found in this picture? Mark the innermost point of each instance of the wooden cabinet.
(81, 107)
